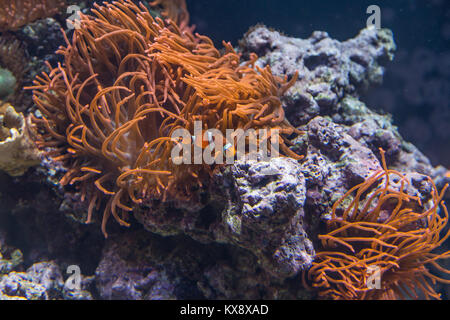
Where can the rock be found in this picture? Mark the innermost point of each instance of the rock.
(259, 209)
(17, 151)
(123, 279)
(42, 281)
(266, 214)
(328, 69)
(143, 266)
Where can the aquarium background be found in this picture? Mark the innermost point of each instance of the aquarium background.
(42, 229)
(416, 86)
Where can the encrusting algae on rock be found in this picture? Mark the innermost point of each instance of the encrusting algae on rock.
(17, 150)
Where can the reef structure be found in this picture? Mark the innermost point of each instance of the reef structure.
(258, 228)
(17, 13)
(129, 81)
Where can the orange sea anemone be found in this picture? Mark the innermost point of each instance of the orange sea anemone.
(382, 229)
(127, 82)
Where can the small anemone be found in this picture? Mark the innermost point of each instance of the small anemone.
(386, 230)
